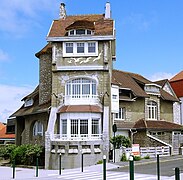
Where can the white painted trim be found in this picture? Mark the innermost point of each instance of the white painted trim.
(67, 68)
(159, 140)
(80, 38)
(50, 28)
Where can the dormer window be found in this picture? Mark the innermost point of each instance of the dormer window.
(28, 102)
(79, 32)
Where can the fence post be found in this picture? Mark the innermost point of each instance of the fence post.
(158, 167)
(131, 165)
(37, 167)
(13, 168)
(60, 164)
(177, 173)
(81, 161)
(104, 167)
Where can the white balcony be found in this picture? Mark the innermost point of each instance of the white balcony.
(81, 99)
(76, 137)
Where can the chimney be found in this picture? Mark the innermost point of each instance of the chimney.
(62, 11)
(107, 10)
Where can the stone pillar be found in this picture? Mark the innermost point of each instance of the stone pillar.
(47, 150)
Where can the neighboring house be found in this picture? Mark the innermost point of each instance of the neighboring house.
(4, 137)
(177, 85)
(69, 112)
(145, 111)
(165, 84)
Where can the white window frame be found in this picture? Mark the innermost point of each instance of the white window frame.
(152, 110)
(75, 88)
(38, 128)
(75, 34)
(76, 54)
(28, 102)
(121, 115)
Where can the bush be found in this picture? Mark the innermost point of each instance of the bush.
(123, 157)
(5, 151)
(119, 141)
(100, 162)
(147, 157)
(26, 154)
(137, 158)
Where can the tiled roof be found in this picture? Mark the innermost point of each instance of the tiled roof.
(157, 125)
(102, 26)
(32, 94)
(3, 134)
(80, 108)
(177, 87)
(136, 83)
(35, 108)
(125, 80)
(161, 82)
(45, 50)
(177, 84)
(177, 77)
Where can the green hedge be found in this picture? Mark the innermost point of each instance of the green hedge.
(25, 154)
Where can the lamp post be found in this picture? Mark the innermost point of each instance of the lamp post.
(131, 165)
(60, 164)
(104, 167)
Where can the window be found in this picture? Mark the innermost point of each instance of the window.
(152, 110)
(79, 127)
(81, 88)
(64, 126)
(38, 129)
(91, 47)
(28, 102)
(95, 126)
(69, 47)
(121, 114)
(78, 32)
(80, 48)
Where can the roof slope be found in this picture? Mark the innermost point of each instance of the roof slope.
(101, 25)
(136, 83)
(125, 80)
(157, 125)
(177, 77)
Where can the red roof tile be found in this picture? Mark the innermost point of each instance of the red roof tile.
(80, 108)
(102, 26)
(177, 87)
(177, 77)
(3, 134)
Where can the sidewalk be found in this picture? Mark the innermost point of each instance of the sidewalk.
(25, 173)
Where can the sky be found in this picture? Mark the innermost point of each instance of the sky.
(149, 40)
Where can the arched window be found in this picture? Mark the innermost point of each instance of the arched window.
(152, 110)
(81, 88)
(38, 129)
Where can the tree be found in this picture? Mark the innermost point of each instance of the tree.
(119, 141)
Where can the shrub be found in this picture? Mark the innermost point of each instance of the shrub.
(137, 158)
(100, 162)
(120, 140)
(123, 157)
(147, 157)
(26, 154)
(5, 151)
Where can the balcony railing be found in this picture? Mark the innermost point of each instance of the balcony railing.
(81, 99)
(76, 137)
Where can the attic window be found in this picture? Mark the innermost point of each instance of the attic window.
(28, 102)
(78, 32)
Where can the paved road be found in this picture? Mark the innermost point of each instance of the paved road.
(167, 167)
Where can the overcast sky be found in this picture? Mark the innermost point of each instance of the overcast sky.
(149, 40)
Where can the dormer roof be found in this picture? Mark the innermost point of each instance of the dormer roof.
(97, 22)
